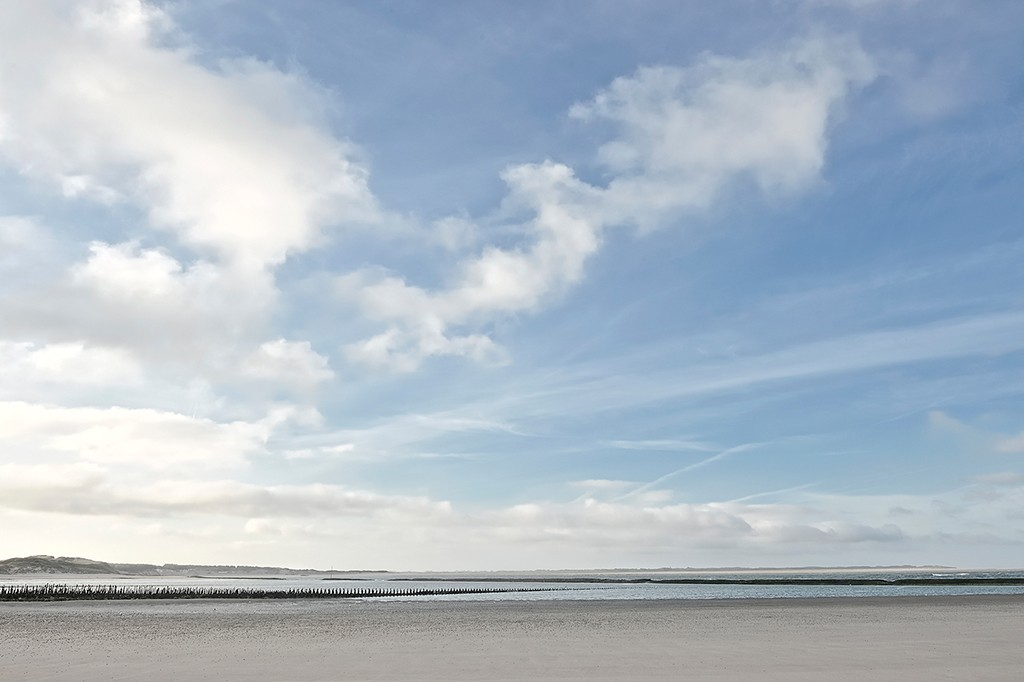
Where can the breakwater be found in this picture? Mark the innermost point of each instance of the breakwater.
(63, 592)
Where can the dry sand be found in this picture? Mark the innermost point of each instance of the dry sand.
(932, 638)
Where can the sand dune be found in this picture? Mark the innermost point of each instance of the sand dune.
(952, 638)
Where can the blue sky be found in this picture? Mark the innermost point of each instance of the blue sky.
(486, 285)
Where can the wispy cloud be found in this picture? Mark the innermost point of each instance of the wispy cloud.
(980, 439)
(609, 386)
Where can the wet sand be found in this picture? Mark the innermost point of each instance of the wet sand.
(911, 638)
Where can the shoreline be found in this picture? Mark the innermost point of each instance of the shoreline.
(498, 602)
(838, 581)
(837, 638)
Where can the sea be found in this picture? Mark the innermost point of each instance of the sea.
(594, 586)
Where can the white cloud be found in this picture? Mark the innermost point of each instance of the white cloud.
(403, 436)
(143, 438)
(321, 452)
(603, 484)
(686, 136)
(455, 233)
(24, 245)
(1011, 444)
(75, 186)
(23, 363)
(404, 531)
(125, 272)
(232, 159)
(1001, 478)
(22, 478)
(106, 101)
(198, 315)
(594, 523)
(687, 133)
(89, 489)
(19, 232)
(287, 362)
(247, 500)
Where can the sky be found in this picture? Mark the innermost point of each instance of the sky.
(481, 285)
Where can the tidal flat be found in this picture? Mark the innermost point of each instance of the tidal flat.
(902, 638)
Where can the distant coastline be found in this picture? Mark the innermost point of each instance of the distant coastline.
(44, 564)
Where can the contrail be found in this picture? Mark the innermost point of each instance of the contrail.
(690, 467)
(768, 493)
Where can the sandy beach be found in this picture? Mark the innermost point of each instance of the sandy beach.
(937, 638)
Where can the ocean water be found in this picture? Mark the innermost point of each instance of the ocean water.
(572, 587)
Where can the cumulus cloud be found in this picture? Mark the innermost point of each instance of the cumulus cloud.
(126, 273)
(685, 134)
(233, 159)
(125, 311)
(196, 314)
(230, 163)
(684, 138)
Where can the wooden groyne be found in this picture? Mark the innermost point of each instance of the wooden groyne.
(63, 592)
